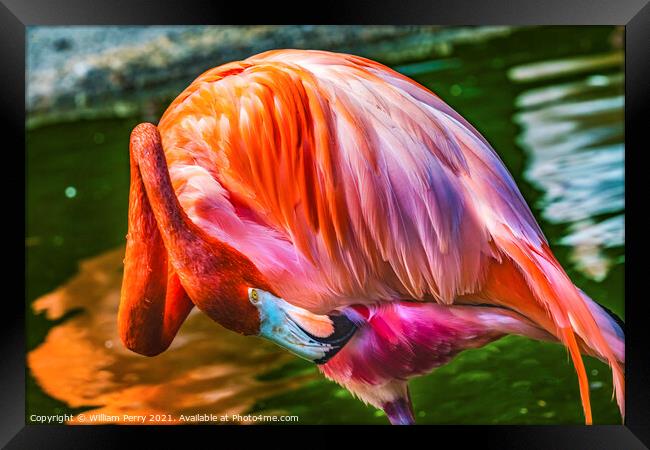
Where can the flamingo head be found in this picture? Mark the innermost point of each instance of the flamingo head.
(314, 337)
(229, 288)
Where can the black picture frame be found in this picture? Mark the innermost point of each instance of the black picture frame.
(15, 15)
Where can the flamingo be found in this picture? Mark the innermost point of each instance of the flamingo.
(343, 211)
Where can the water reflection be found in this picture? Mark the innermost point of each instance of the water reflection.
(573, 133)
(207, 368)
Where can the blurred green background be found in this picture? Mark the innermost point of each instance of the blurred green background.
(548, 99)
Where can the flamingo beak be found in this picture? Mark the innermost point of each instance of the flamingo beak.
(316, 338)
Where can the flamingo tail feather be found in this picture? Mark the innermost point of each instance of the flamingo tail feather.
(531, 281)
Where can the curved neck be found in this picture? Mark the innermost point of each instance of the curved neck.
(212, 272)
(149, 158)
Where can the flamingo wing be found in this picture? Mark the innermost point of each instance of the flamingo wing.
(350, 169)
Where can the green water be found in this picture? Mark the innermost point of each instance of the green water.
(77, 192)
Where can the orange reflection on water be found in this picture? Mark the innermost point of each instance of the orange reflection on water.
(207, 369)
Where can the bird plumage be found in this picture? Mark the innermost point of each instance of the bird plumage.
(347, 184)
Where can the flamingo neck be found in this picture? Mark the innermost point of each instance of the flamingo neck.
(215, 275)
(175, 227)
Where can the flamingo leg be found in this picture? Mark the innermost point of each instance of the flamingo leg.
(400, 410)
(153, 304)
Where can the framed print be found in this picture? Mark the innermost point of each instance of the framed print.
(414, 215)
